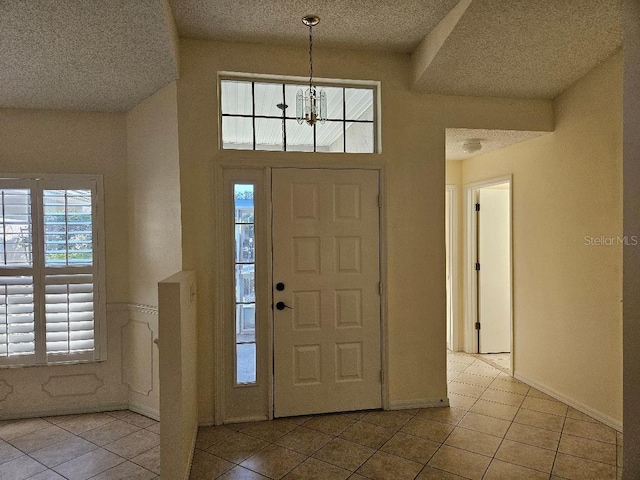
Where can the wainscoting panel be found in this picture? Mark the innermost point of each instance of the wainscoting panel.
(72, 385)
(63, 389)
(5, 390)
(140, 357)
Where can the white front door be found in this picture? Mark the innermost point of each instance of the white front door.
(326, 269)
(494, 280)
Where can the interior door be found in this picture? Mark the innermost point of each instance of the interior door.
(494, 277)
(326, 274)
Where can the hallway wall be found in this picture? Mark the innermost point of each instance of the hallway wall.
(567, 218)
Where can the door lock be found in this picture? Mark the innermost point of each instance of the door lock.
(279, 286)
(282, 306)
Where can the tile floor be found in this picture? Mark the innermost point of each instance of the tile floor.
(496, 428)
(502, 361)
(100, 446)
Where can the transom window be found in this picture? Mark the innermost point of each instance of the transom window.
(262, 116)
(51, 302)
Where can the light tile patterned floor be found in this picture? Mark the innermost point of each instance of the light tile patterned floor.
(502, 361)
(497, 428)
(100, 446)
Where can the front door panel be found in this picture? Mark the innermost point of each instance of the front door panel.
(326, 255)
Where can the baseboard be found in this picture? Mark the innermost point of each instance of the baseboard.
(418, 403)
(254, 418)
(50, 412)
(144, 410)
(601, 417)
(206, 421)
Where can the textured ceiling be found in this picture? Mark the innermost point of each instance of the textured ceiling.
(385, 25)
(523, 48)
(108, 55)
(489, 139)
(84, 55)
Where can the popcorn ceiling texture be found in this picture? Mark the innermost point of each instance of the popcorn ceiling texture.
(104, 55)
(108, 55)
(490, 140)
(356, 24)
(524, 48)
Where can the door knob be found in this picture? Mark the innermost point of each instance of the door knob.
(282, 306)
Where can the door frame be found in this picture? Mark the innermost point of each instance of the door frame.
(223, 289)
(451, 191)
(471, 254)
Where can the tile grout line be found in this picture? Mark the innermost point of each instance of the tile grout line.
(511, 422)
(79, 436)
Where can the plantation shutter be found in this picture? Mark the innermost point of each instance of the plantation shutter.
(17, 307)
(69, 270)
(49, 297)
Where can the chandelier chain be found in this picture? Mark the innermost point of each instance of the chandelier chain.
(310, 58)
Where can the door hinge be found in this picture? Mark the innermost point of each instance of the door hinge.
(380, 288)
(477, 207)
(477, 325)
(381, 376)
(379, 201)
(477, 266)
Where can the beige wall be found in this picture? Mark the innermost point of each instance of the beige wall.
(36, 141)
(567, 295)
(453, 172)
(155, 250)
(413, 160)
(631, 314)
(153, 175)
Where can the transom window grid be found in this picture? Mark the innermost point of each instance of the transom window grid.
(245, 284)
(50, 307)
(260, 115)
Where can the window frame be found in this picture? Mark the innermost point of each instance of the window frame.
(37, 184)
(283, 82)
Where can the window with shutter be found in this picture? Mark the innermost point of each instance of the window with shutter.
(51, 278)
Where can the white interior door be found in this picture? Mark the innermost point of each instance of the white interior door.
(494, 277)
(326, 258)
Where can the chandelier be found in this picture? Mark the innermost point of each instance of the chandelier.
(311, 105)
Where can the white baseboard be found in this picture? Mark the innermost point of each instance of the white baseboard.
(601, 417)
(50, 412)
(419, 403)
(254, 418)
(144, 410)
(95, 408)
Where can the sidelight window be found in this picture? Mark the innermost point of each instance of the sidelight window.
(245, 283)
